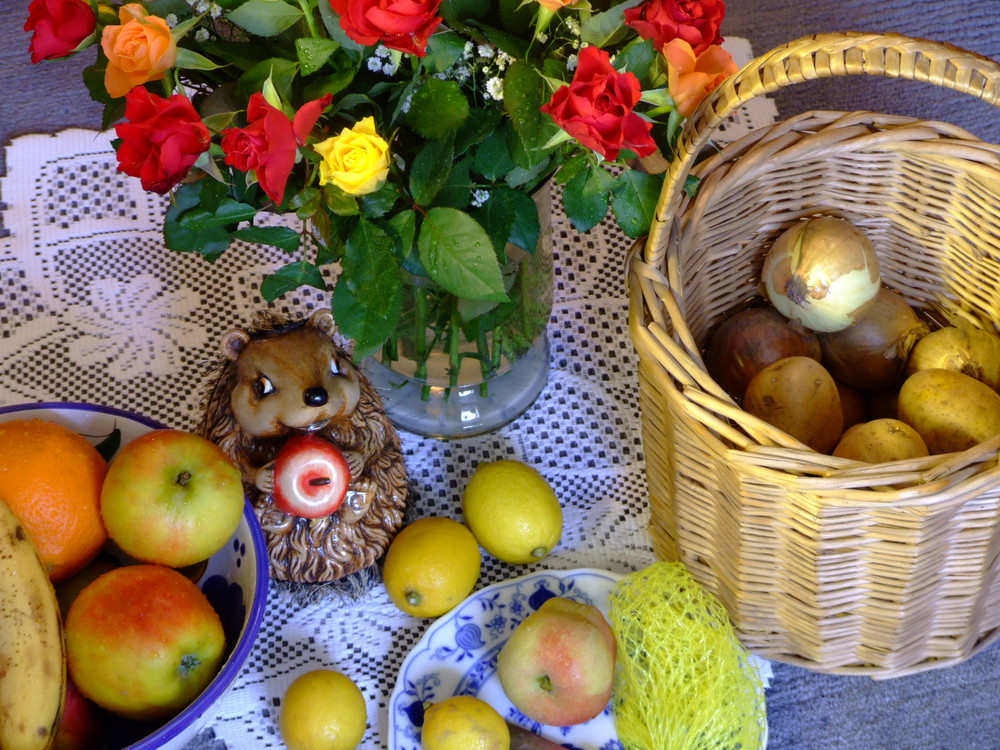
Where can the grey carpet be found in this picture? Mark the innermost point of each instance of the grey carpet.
(957, 708)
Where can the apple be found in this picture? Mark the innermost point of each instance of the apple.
(143, 641)
(80, 725)
(171, 497)
(311, 477)
(558, 665)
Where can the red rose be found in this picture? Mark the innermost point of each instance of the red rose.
(403, 25)
(162, 139)
(596, 108)
(697, 22)
(58, 26)
(268, 144)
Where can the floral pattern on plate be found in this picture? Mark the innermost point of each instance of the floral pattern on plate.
(457, 655)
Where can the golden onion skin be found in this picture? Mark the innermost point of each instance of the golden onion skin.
(964, 349)
(822, 272)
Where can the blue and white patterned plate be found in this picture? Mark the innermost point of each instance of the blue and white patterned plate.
(457, 655)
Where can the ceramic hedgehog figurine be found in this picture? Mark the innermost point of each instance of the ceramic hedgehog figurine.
(278, 379)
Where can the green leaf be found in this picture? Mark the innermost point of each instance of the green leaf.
(585, 198)
(265, 17)
(313, 53)
(641, 59)
(290, 277)
(526, 229)
(606, 28)
(193, 61)
(280, 237)
(404, 225)
(332, 23)
(281, 72)
(340, 202)
(524, 92)
(438, 107)
(202, 218)
(633, 201)
(497, 216)
(430, 169)
(380, 202)
(493, 158)
(444, 49)
(457, 189)
(458, 255)
(368, 296)
(477, 126)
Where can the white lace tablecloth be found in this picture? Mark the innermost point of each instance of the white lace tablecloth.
(93, 308)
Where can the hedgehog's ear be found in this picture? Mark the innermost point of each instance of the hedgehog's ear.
(322, 320)
(234, 342)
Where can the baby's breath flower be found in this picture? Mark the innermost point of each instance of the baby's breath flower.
(573, 25)
(202, 35)
(461, 73)
(382, 51)
(374, 64)
(405, 107)
(468, 50)
(503, 59)
(494, 88)
(485, 51)
(571, 62)
(216, 10)
(479, 197)
(171, 19)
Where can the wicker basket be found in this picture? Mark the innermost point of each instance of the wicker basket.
(818, 561)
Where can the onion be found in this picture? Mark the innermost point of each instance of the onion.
(965, 349)
(822, 272)
(872, 353)
(749, 341)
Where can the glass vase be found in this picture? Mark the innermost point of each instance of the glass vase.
(459, 368)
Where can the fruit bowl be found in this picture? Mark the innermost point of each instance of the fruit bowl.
(235, 580)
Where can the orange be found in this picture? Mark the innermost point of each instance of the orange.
(51, 478)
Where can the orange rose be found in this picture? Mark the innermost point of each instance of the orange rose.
(555, 5)
(140, 50)
(689, 78)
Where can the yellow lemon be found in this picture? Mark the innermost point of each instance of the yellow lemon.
(512, 511)
(431, 566)
(323, 710)
(464, 723)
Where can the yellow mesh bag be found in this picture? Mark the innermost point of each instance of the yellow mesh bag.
(683, 682)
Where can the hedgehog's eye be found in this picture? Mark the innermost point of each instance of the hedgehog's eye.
(262, 386)
(334, 367)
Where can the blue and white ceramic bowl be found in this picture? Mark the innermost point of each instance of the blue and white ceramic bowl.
(235, 580)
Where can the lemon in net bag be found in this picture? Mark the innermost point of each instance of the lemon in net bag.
(684, 682)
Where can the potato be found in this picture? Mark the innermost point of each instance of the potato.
(951, 411)
(798, 395)
(881, 440)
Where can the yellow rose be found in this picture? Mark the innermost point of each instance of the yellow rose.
(356, 161)
(141, 49)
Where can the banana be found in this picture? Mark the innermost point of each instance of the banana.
(32, 650)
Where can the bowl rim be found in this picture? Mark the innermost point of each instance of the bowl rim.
(255, 616)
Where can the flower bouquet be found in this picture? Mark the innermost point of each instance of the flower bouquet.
(406, 141)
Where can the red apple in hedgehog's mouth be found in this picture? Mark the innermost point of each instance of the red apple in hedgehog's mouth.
(311, 477)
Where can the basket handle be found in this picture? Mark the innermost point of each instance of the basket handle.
(809, 58)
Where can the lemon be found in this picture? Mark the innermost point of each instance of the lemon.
(464, 723)
(431, 566)
(512, 511)
(323, 710)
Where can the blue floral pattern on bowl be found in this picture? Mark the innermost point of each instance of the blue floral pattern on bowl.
(457, 655)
